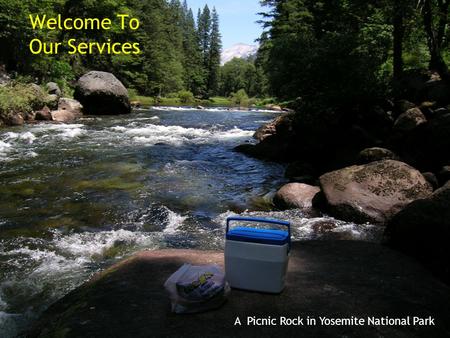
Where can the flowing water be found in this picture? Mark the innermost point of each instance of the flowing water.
(75, 198)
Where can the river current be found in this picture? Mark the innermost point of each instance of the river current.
(75, 198)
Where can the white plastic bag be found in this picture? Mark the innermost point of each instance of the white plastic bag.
(197, 288)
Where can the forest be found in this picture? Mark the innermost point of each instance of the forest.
(334, 51)
(348, 51)
(179, 52)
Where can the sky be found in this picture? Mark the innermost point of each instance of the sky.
(237, 19)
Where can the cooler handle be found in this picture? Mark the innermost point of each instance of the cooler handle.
(261, 220)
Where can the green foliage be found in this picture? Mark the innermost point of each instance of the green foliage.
(342, 52)
(186, 97)
(240, 98)
(240, 73)
(20, 98)
(173, 58)
(325, 49)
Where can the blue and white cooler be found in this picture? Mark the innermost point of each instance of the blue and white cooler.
(257, 259)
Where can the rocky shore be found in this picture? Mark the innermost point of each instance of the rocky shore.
(95, 93)
(386, 164)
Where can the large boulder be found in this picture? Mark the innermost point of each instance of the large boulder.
(422, 229)
(409, 120)
(333, 279)
(295, 196)
(102, 93)
(373, 192)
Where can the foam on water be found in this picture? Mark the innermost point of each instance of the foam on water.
(174, 222)
(28, 137)
(176, 135)
(210, 109)
(4, 149)
(51, 268)
(308, 228)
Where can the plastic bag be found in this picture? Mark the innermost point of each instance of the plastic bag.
(197, 288)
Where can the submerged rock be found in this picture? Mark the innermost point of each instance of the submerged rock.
(295, 196)
(102, 93)
(335, 279)
(373, 192)
(422, 230)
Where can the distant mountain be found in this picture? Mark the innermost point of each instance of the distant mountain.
(239, 50)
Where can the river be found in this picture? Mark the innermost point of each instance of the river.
(75, 198)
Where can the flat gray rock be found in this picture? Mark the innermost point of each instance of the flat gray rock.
(337, 279)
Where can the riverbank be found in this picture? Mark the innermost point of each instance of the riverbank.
(336, 280)
(385, 163)
(213, 102)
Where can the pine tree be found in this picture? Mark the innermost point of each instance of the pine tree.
(214, 55)
(192, 60)
(204, 33)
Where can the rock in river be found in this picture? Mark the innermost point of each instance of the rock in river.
(102, 93)
(373, 192)
(335, 279)
(295, 195)
(68, 110)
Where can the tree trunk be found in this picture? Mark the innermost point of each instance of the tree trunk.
(399, 31)
(437, 63)
(443, 17)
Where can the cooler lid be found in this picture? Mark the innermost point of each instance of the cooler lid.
(264, 236)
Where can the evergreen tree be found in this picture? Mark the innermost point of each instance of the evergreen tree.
(214, 55)
(192, 59)
(204, 33)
